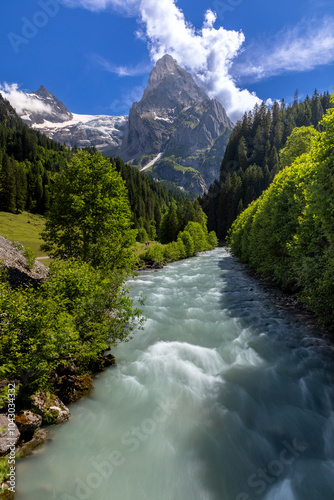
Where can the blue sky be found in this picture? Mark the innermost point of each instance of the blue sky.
(96, 55)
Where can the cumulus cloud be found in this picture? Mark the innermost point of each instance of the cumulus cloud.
(21, 102)
(301, 48)
(207, 53)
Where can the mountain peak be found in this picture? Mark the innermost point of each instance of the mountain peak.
(42, 91)
(166, 63)
(170, 86)
(55, 110)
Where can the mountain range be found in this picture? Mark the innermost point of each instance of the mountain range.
(175, 133)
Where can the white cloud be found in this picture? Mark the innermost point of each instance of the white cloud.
(21, 102)
(207, 53)
(139, 69)
(301, 48)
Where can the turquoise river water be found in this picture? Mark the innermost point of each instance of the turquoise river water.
(222, 396)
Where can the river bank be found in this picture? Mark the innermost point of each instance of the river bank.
(289, 302)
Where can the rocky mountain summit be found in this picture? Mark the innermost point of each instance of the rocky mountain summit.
(57, 113)
(176, 131)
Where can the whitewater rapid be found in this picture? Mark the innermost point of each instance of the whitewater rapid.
(222, 396)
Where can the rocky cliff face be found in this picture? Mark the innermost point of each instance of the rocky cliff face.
(176, 121)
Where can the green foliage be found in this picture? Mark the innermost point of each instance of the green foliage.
(174, 251)
(212, 239)
(30, 257)
(142, 235)
(198, 235)
(251, 160)
(298, 143)
(4, 472)
(288, 233)
(147, 198)
(155, 253)
(73, 317)
(27, 162)
(188, 243)
(90, 218)
(169, 225)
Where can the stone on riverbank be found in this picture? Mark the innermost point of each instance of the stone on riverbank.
(27, 421)
(71, 388)
(9, 434)
(50, 407)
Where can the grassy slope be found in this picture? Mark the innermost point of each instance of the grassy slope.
(25, 228)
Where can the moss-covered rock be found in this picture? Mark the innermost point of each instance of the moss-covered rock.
(73, 387)
(50, 407)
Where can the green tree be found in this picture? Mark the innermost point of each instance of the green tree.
(90, 218)
(188, 243)
(297, 144)
(142, 235)
(8, 185)
(169, 227)
(198, 235)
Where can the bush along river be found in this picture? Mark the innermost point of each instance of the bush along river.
(222, 396)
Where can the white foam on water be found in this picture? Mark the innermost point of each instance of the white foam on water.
(282, 491)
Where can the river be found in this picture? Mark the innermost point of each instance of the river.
(222, 396)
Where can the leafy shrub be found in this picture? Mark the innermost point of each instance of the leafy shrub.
(142, 235)
(198, 235)
(188, 243)
(155, 252)
(30, 257)
(74, 316)
(212, 239)
(175, 251)
(287, 235)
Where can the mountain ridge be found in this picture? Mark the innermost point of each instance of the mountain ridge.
(175, 120)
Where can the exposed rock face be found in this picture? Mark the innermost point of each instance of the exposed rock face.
(71, 388)
(16, 265)
(39, 438)
(9, 434)
(176, 117)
